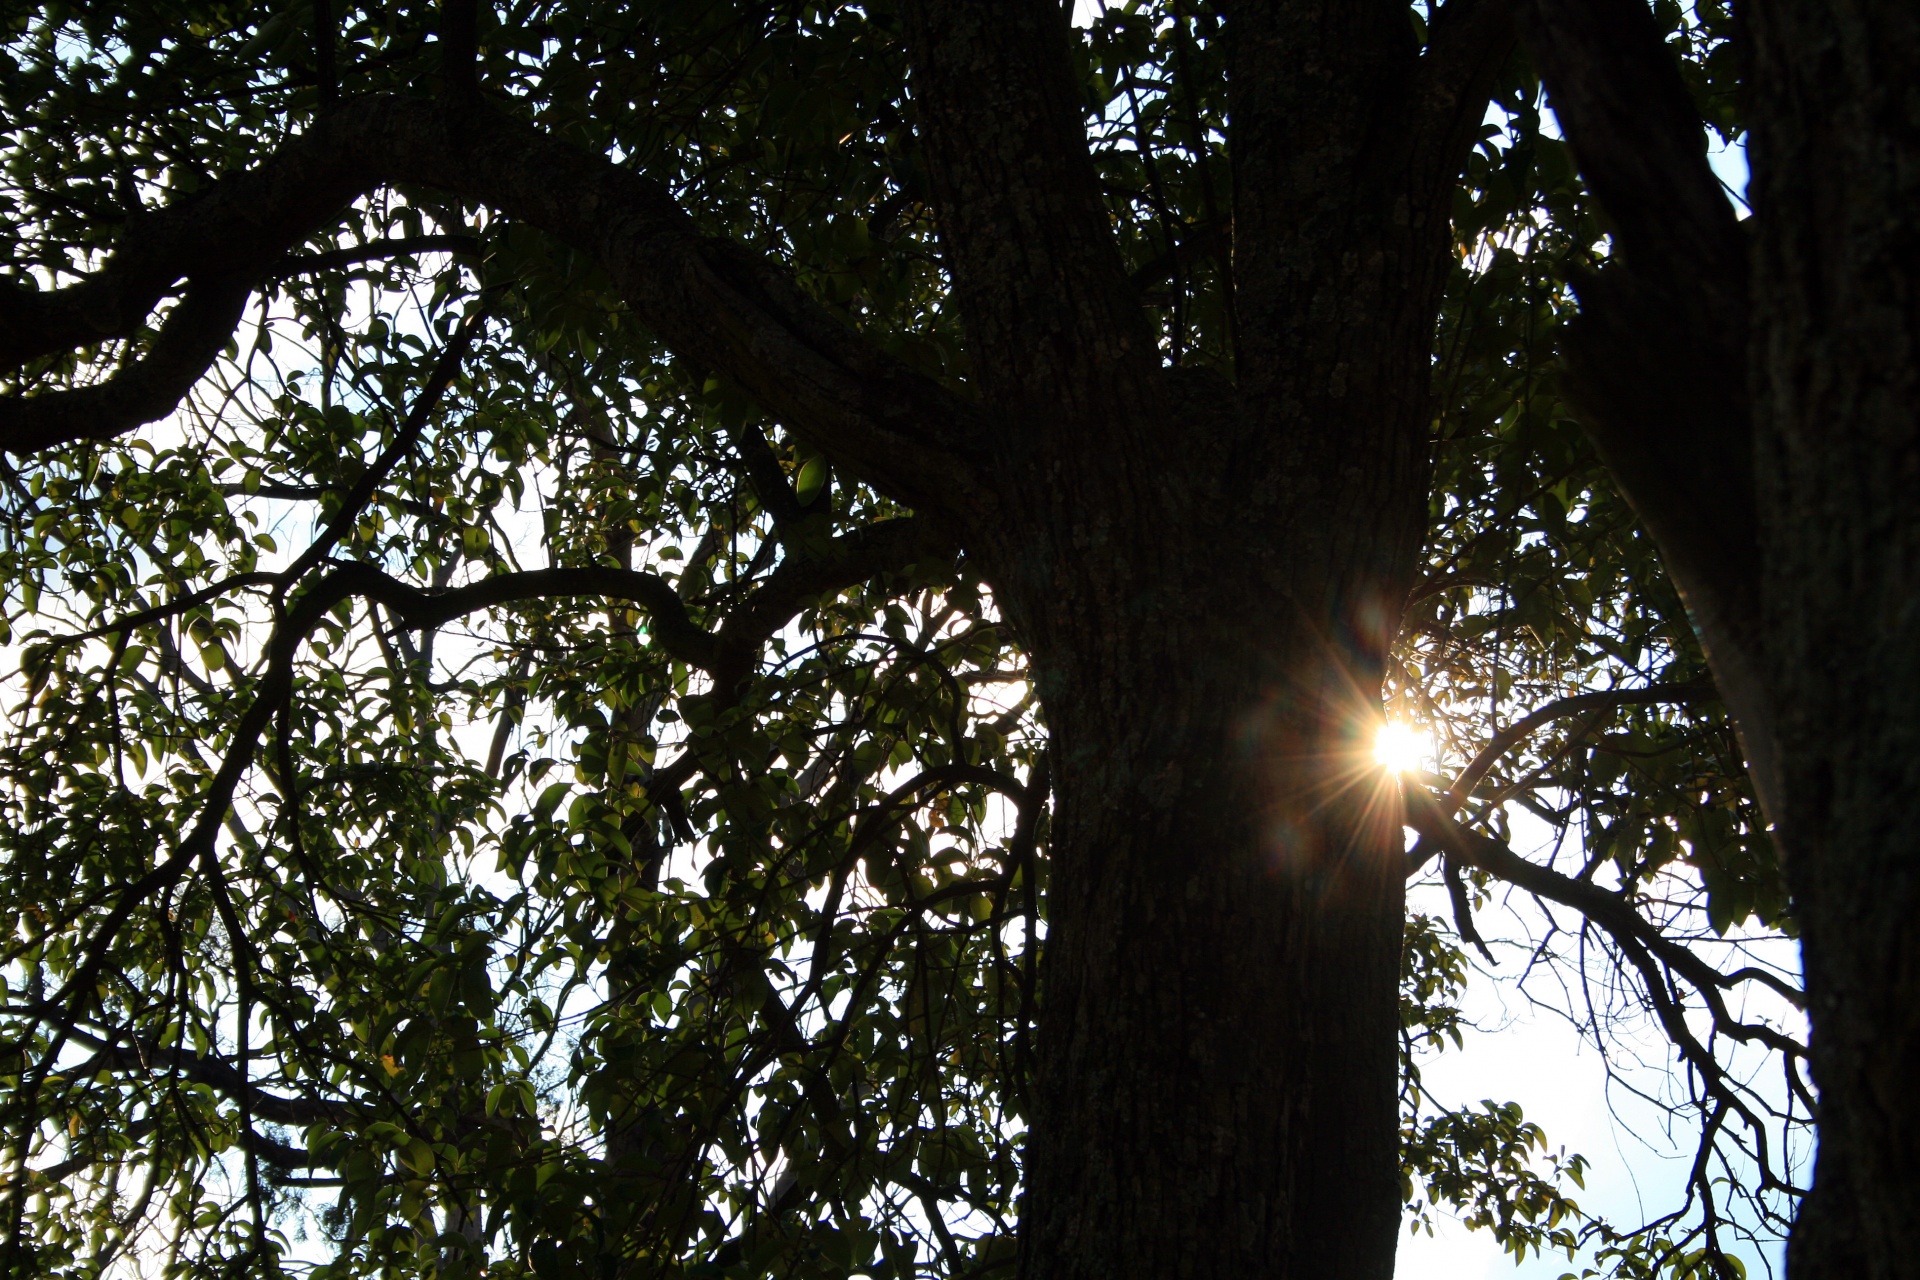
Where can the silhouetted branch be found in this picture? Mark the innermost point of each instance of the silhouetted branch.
(1427, 815)
(713, 302)
(394, 247)
(1520, 730)
(140, 391)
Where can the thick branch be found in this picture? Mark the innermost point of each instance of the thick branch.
(770, 483)
(1468, 42)
(1656, 362)
(140, 391)
(1059, 335)
(459, 47)
(1616, 90)
(243, 224)
(713, 302)
(889, 546)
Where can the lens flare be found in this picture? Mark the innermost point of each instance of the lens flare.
(1398, 749)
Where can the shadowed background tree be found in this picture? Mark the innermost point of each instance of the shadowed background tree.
(676, 639)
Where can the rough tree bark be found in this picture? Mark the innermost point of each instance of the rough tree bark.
(1771, 446)
(1836, 345)
(1208, 576)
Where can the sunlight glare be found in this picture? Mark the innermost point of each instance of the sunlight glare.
(1398, 749)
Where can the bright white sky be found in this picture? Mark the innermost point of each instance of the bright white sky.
(1525, 1056)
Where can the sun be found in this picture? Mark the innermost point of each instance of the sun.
(1398, 749)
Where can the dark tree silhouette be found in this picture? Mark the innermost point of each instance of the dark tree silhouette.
(728, 640)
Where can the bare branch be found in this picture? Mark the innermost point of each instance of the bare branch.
(1427, 815)
(1463, 910)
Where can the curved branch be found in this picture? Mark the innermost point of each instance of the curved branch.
(245, 222)
(849, 559)
(215, 1073)
(728, 656)
(1517, 732)
(1427, 815)
(1673, 1021)
(711, 301)
(140, 391)
(419, 609)
(883, 547)
(856, 557)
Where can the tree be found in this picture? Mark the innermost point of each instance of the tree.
(1752, 411)
(597, 585)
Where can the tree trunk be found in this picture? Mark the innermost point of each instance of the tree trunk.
(1836, 163)
(1217, 1089)
(1217, 1054)
(1207, 576)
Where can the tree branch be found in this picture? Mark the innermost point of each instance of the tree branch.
(711, 301)
(863, 554)
(1655, 364)
(393, 247)
(1468, 42)
(1518, 732)
(459, 47)
(866, 553)
(1427, 815)
(1616, 89)
(769, 482)
(146, 1056)
(325, 37)
(1007, 157)
(140, 391)
(418, 609)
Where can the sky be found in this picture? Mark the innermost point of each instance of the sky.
(1523, 1055)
